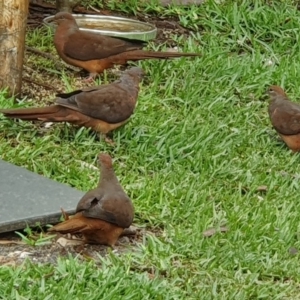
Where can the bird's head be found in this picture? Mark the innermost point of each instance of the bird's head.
(105, 160)
(136, 71)
(63, 17)
(274, 91)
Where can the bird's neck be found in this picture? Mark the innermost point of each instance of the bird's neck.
(127, 80)
(108, 176)
(279, 98)
(62, 32)
(72, 29)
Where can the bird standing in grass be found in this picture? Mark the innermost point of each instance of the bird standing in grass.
(102, 108)
(95, 52)
(285, 117)
(102, 213)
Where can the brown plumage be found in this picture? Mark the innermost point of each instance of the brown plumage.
(95, 52)
(102, 213)
(102, 108)
(285, 117)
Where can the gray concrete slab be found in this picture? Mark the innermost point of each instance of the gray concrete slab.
(27, 198)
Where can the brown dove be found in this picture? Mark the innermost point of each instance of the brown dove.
(95, 52)
(285, 117)
(102, 108)
(102, 213)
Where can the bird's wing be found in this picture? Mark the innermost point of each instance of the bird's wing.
(108, 103)
(86, 46)
(115, 208)
(286, 118)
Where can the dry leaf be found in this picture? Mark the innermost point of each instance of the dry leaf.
(65, 242)
(175, 50)
(7, 242)
(132, 230)
(260, 198)
(151, 276)
(48, 124)
(262, 188)
(25, 254)
(211, 231)
(84, 164)
(293, 251)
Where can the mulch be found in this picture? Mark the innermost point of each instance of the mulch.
(13, 251)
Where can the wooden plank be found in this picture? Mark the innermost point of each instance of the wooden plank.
(13, 19)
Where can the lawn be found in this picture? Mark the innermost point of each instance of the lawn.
(199, 152)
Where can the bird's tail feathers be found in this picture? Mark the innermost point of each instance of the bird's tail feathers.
(141, 54)
(35, 113)
(70, 226)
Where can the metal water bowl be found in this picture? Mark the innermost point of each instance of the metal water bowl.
(112, 26)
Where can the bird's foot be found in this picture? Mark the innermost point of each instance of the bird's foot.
(107, 139)
(90, 78)
(79, 248)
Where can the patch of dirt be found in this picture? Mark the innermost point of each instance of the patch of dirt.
(13, 251)
(39, 84)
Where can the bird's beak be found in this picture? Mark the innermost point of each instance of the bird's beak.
(268, 91)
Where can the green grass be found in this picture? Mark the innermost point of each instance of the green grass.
(193, 156)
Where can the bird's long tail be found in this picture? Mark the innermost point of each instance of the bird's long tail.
(49, 113)
(141, 54)
(54, 113)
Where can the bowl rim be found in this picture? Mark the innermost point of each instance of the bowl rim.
(152, 28)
